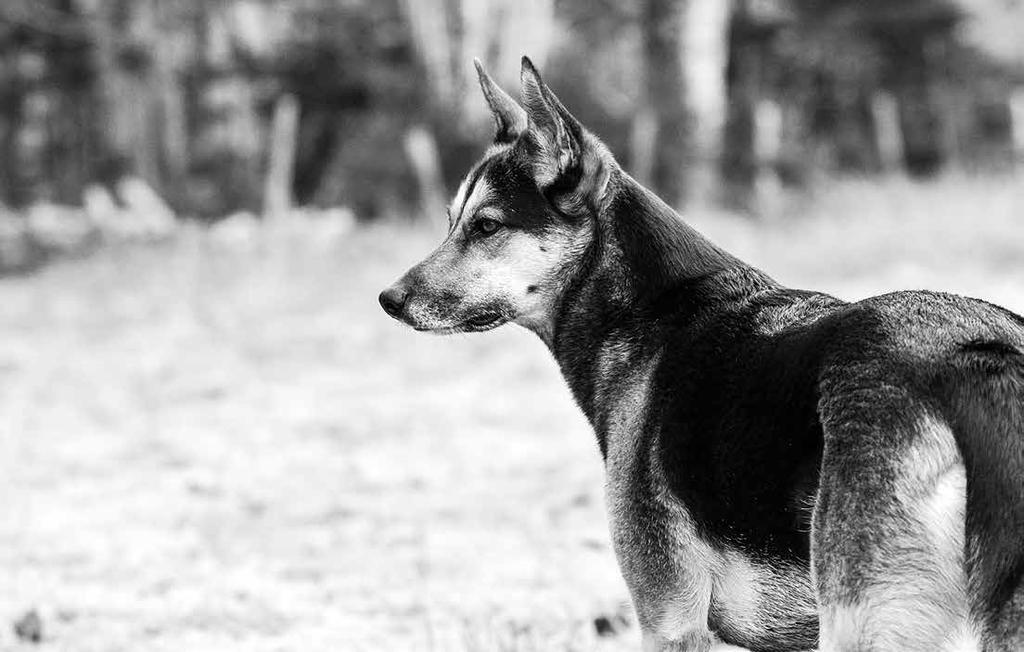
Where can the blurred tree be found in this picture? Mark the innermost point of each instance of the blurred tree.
(704, 52)
(448, 35)
(690, 93)
(844, 61)
(664, 86)
(44, 100)
(133, 87)
(679, 130)
(596, 68)
(352, 68)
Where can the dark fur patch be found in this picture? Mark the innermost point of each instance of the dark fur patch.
(516, 194)
(740, 437)
(995, 347)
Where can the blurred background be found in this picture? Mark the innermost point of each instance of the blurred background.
(212, 438)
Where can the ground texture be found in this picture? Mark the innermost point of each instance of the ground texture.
(211, 446)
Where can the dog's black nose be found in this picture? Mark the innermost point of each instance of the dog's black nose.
(393, 300)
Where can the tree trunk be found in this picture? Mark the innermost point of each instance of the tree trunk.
(422, 152)
(704, 56)
(449, 34)
(1017, 123)
(739, 166)
(888, 135)
(429, 24)
(767, 151)
(277, 193)
(126, 95)
(643, 140)
(171, 98)
(661, 21)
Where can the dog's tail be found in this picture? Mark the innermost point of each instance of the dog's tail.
(987, 406)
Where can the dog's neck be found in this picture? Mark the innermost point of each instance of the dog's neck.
(643, 267)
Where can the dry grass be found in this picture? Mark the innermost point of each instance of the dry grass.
(211, 449)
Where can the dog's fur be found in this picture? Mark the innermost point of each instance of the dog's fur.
(779, 463)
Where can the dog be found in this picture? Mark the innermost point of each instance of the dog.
(785, 470)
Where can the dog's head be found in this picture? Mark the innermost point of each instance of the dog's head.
(518, 225)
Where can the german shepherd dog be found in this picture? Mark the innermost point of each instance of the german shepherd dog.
(785, 470)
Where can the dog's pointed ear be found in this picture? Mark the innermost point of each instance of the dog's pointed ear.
(558, 135)
(509, 117)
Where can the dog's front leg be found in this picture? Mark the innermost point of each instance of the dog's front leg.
(672, 607)
(668, 568)
(656, 643)
(653, 642)
(672, 646)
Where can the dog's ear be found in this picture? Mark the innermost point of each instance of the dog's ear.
(508, 115)
(567, 162)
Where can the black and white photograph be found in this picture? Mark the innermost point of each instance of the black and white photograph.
(511, 325)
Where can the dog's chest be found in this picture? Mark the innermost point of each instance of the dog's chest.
(680, 581)
(666, 565)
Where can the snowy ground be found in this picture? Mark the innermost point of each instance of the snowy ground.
(210, 448)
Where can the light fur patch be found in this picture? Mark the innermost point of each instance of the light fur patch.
(751, 598)
(535, 309)
(942, 513)
(626, 416)
(455, 209)
(684, 612)
(610, 358)
(736, 588)
(526, 267)
(966, 638)
(855, 627)
(482, 193)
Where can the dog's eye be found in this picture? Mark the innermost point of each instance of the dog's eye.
(487, 226)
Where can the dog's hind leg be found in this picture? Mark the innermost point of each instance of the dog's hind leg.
(985, 394)
(672, 614)
(888, 528)
(656, 643)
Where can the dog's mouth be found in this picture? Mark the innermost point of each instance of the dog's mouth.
(477, 323)
(483, 322)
